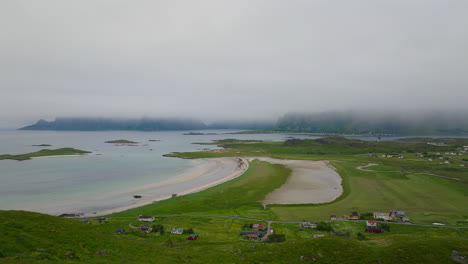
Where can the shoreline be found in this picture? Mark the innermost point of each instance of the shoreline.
(193, 174)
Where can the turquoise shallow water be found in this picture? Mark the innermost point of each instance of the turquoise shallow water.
(50, 184)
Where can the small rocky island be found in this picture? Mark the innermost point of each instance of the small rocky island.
(45, 153)
(198, 134)
(42, 145)
(121, 141)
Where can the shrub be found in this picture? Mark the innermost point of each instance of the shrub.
(322, 226)
(361, 236)
(276, 238)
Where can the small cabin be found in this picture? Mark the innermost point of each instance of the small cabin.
(333, 217)
(177, 231)
(309, 225)
(371, 223)
(120, 231)
(193, 236)
(258, 227)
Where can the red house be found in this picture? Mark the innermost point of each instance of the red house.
(193, 236)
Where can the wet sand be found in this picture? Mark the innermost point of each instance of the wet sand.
(203, 174)
(310, 182)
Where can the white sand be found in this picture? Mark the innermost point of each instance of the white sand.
(310, 182)
(204, 173)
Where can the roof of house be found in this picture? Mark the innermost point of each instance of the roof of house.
(192, 235)
(354, 213)
(373, 227)
(145, 216)
(258, 225)
(371, 221)
(332, 215)
(179, 230)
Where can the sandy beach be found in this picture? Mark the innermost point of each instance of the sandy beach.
(203, 174)
(310, 182)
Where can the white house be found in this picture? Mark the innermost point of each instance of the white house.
(145, 218)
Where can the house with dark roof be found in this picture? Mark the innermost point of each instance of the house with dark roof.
(145, 228)
(120, 231)
(254, 235)
(333, 217)
(354, 216)
(309, 225)
(373, 229)
(145, 218)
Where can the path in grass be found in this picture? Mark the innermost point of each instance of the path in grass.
(424, 173)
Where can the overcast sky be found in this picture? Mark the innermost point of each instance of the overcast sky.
(229, 59)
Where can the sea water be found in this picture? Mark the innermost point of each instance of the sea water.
(48, 185)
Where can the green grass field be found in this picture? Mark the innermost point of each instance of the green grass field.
(44, 152)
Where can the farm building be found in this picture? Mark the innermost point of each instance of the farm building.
(145, 218)
(371, 223)
(384, 216)
(332, 217)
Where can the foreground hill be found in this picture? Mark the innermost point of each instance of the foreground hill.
(96, 124)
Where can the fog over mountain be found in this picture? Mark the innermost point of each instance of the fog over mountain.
(218, 60)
